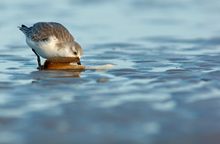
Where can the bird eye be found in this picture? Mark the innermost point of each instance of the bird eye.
(75, 53)
(45, 39)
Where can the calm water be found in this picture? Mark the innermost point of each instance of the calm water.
(164, 88)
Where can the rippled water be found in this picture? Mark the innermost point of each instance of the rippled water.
(163, 89)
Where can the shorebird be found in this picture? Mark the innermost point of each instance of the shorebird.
(51, 39)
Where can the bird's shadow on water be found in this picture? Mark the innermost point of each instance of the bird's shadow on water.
(57, 73)
(55, 77)
(66, 77)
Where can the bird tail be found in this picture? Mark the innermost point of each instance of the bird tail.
(24, 29)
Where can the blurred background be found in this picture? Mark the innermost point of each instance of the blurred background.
(163, 89)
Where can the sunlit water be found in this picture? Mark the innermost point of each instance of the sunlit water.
(163, 89)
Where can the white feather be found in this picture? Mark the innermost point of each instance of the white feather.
(48, 49)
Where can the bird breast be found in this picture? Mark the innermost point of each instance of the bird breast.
(49, 48)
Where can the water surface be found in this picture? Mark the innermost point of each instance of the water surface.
(164, 87)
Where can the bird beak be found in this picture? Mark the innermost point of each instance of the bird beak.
(79, 63)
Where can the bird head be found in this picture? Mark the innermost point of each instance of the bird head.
(77, 50)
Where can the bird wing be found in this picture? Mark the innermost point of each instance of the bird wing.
(41, 31)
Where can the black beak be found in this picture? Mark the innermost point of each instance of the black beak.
(79, 63)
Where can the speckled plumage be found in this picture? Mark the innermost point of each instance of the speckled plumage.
(51, 39)
(42, 30)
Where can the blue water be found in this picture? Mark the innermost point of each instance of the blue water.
(163, 89)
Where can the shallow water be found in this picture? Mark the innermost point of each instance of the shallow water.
(164, 87)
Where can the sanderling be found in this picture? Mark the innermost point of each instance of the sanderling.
(51, 39)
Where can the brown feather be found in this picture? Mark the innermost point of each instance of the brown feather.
(43, 30)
